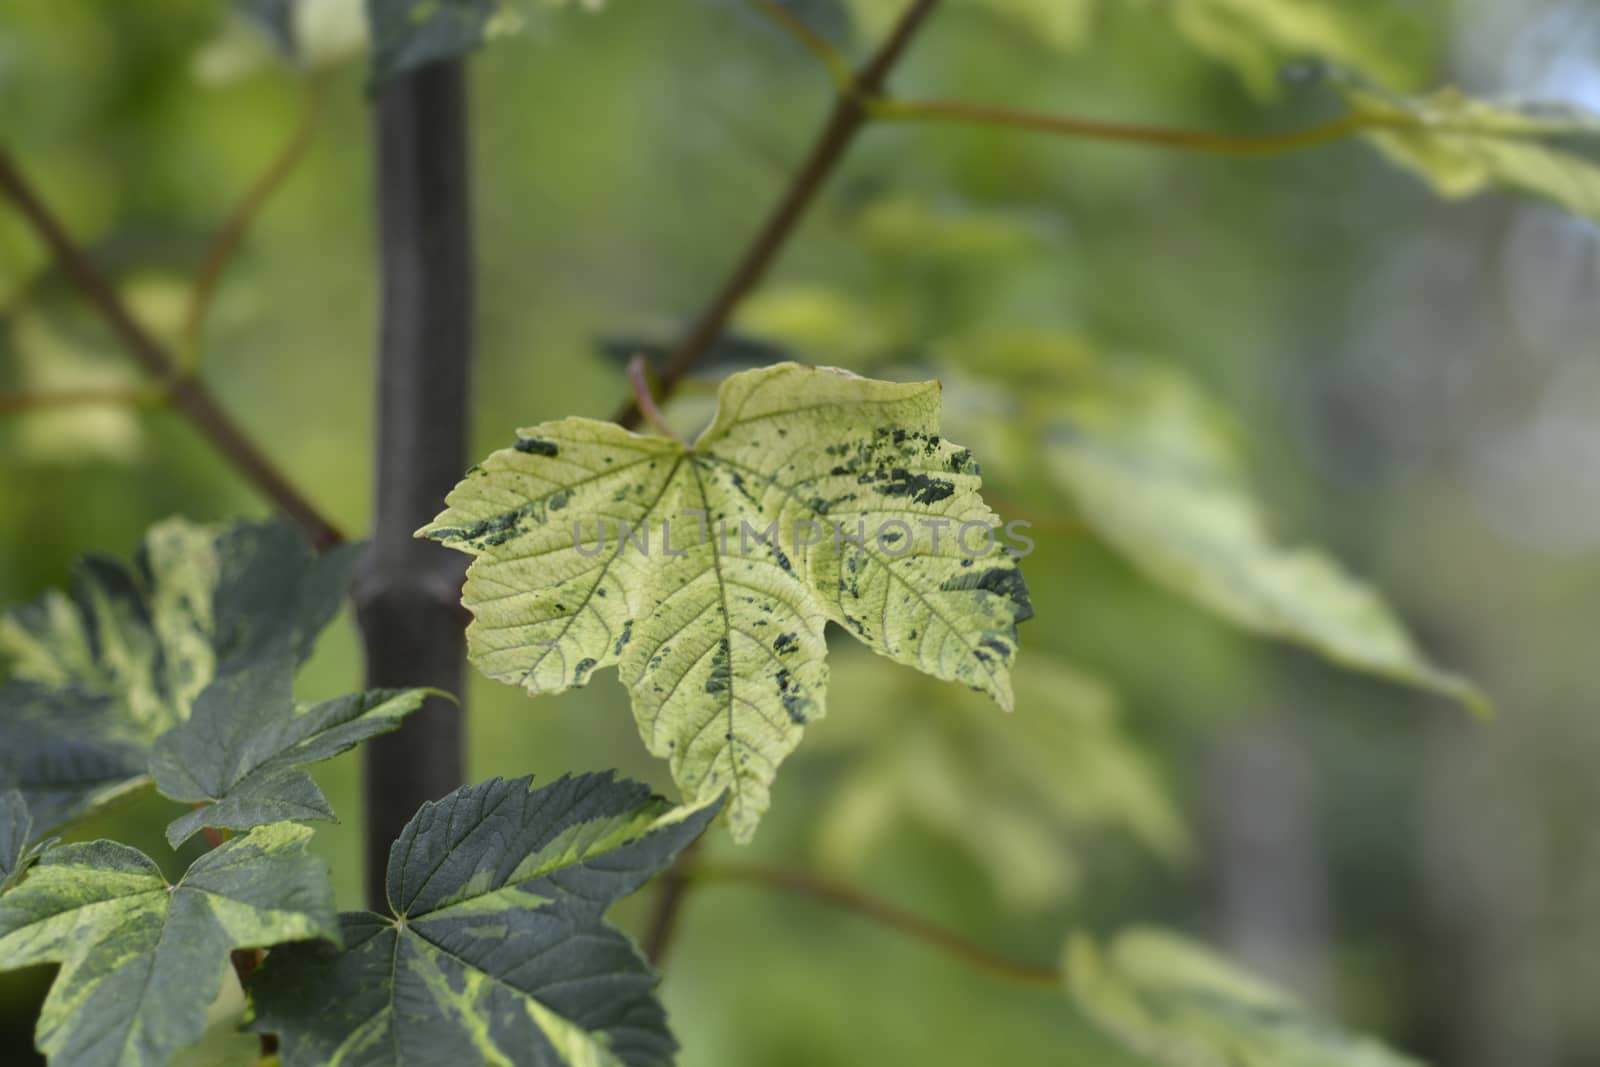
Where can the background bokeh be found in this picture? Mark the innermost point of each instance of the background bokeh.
(1414, 382)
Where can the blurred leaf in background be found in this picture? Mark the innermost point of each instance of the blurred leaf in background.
(1182, 1006)
(1462, 146)
(1151, 466)
(98, 674)
(1411, 375)
(1021, 794)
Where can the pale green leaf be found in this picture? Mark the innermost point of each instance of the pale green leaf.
(495, 950)
(1462, 146)
(329, 31)
(1154, 473)
(141, 959)
(240, 752)
(715, 613)
(1178, 1004)
(1022, 795)
(101, 672)
(1152, 467)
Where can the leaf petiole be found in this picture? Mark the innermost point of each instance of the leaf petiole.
(639, 377)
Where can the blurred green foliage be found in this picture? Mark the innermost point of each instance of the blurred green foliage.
(1412, 381)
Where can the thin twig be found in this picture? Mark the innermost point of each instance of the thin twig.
(246, 962)
(837, 134)
(1150, 136)
(188, 395)
(953, 944)
(670, 889)
(862, 99)
(225, 243)
(83, 396)
(215, 838)
(880, 106)
(818, 45)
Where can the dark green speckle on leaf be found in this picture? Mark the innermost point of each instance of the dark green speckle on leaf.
(922, 488)
(1003, 581)
(537, 446)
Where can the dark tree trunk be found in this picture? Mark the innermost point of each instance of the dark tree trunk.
(408, 592)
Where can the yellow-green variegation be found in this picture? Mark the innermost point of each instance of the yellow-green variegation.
(707, 572)
(495, 949)
(140, 958)
(99, 672)
(1180, 1005)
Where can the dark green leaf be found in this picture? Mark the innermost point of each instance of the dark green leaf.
(17, 848)
(411, 33)
(273, 593)
(276, 19)
(141, 959)
(241, 749)
(496, 950)
(100, 673)
(66, 753)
